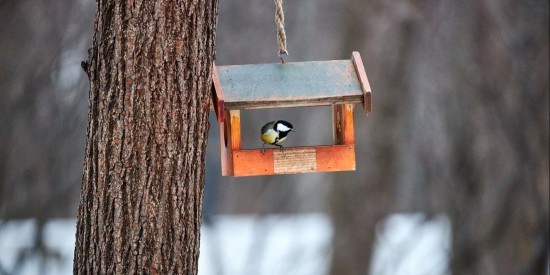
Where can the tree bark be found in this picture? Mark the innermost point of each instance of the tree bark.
(143, 180)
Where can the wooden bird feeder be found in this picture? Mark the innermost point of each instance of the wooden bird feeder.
(340, 83)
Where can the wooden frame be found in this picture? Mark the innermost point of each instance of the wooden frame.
(323, 158)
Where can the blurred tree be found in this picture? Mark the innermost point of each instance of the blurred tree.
(463, 96)
(143, 182)
(42, 106)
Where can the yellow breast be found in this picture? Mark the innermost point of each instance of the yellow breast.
(269, 136)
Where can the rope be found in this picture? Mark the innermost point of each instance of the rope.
(281, 35)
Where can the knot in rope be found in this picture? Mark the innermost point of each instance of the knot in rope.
(281, 35)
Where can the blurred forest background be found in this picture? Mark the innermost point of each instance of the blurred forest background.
(460, 122)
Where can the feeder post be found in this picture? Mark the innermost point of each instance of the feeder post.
(342, 124)
(230, 140)
(225, 153)
(235, 127)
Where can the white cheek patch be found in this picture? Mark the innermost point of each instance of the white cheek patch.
(282, 128)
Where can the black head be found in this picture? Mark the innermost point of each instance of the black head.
(282, 126)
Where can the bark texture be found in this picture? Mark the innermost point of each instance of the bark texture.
(143, 180)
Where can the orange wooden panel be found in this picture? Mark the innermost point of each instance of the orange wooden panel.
(235, 127)
(253, 163)
(226, 144)
(349, 134)
(294, 160)
(363, 80)
(342, 124)
(335, 158)
(299, 160)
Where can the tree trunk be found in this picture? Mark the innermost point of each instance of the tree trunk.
(143, 180)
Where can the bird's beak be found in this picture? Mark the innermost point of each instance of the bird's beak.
(292, 130)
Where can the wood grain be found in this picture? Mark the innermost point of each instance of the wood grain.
(299, 160)
(253, 163)
(290, 85)
(349, 133)
(235, 118)
(335, 158)
(326, 159)
(363, 80)
(340, 83)
(217, 95)
(227, 168)
(338, 124)
(342, 124)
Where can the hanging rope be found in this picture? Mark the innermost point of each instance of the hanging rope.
(281, 36)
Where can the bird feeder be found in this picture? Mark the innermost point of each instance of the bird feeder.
(340, 83)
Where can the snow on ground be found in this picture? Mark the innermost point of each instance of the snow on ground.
(234, 245)
(412, 244)
(16, 241)
(275, 244)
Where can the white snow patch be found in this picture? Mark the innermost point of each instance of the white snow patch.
(274, 244)
(264, 245)
(411, 244)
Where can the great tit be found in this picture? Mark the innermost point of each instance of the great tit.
(275, 133)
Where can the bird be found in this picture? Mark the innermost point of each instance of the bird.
(275, 133)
